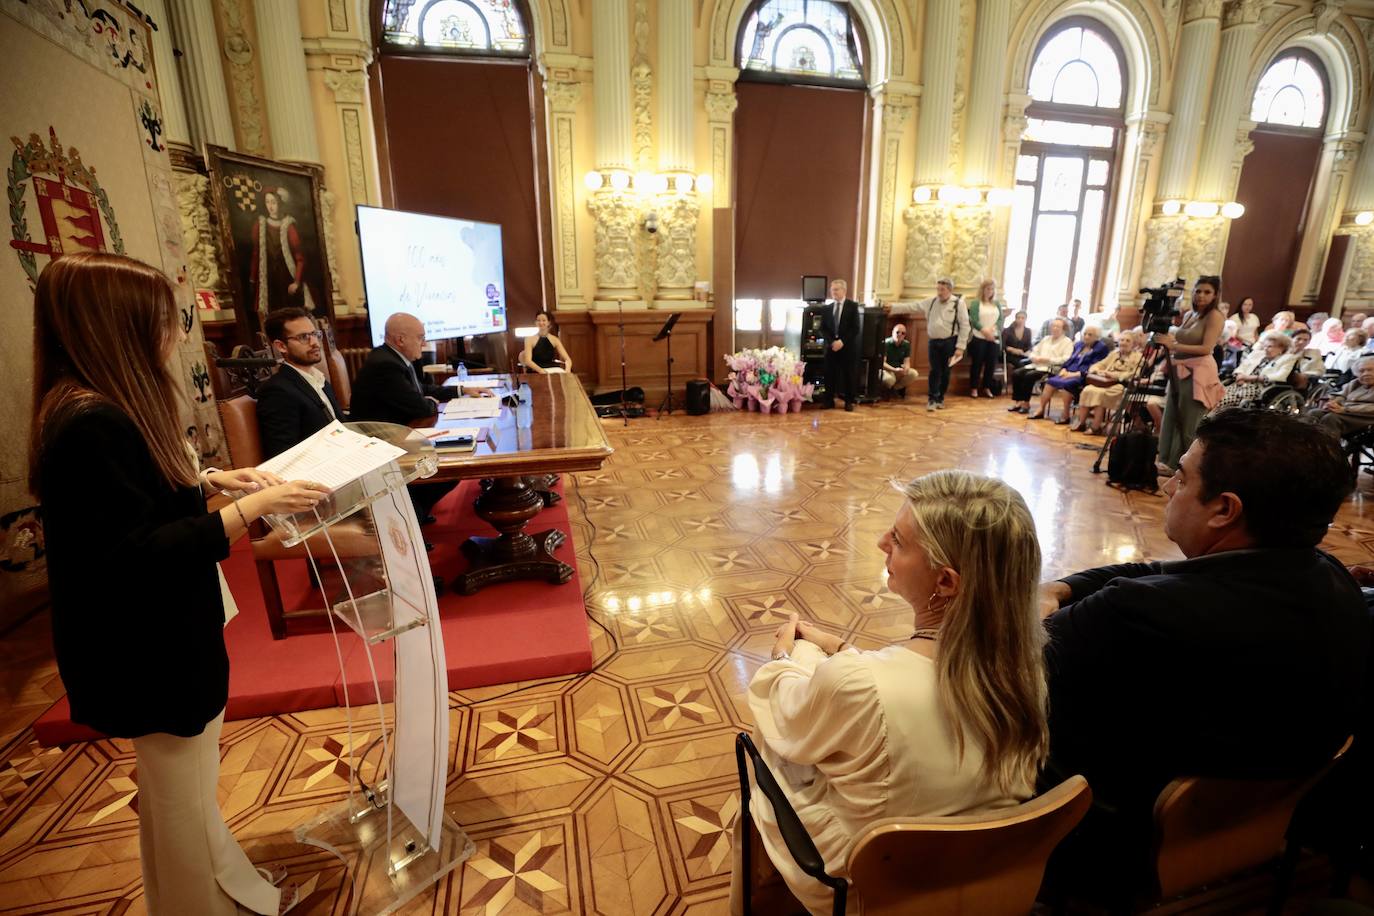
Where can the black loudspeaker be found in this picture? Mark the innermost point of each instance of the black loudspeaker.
(872, 335)
(698, 397)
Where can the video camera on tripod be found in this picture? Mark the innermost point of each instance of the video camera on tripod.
(1160, 308)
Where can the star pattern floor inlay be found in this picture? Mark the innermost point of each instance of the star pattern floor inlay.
(614, 792)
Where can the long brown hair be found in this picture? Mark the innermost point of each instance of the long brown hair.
(102, 327)
(991, 666)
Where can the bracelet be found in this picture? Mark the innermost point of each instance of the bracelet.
(242, 517)
(781, 656)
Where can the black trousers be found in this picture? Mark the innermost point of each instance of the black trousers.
(984, 355)
(1023, 380)
(840, 371)
(424, 496)
(940, 352)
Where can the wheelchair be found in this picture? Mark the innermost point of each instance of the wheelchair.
(1286, 397)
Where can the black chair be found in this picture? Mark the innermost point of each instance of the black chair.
(794, 833)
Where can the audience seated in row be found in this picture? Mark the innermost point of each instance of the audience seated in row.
(1068, 381)
(1351, 410)
(1048, 355)
(1245, 659)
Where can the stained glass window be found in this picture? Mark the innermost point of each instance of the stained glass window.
(804, 38)
(1291, 92)
(463, 26)
(1077, 66)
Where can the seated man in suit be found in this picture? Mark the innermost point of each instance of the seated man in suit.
(298, 401)
(1244, 660)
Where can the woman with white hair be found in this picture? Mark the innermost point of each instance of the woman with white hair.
(1269, 362)
(1332, 336)
(949, 721)
(1107, 384)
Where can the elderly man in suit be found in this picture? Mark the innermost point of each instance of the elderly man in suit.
(298, 401)
(840, 328)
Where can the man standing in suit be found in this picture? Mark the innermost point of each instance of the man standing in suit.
(298, 401)
(840, 327)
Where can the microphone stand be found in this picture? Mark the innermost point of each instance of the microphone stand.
(620, 323)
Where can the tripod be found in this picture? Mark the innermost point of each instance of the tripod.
(666, 333)
(1132, 404)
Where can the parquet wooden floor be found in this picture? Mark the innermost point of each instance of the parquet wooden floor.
(613, 792)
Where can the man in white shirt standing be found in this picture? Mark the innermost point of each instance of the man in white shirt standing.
(298, 401)
(947, 332)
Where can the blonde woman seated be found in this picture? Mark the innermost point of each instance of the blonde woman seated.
(1097, 399)
(949, 721)
(544, 351)
(1283, 322)
(1269, 362)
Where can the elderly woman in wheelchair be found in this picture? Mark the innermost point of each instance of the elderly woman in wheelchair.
(1350, 412)
(922, 727)
(1262, 374)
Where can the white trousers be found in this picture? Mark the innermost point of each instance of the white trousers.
(191, 862)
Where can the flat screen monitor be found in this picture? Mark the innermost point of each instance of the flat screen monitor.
(447, 272)
(815, 289)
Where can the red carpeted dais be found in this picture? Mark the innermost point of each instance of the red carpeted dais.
(513, 631)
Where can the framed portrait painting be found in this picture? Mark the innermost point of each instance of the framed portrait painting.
(271, 228)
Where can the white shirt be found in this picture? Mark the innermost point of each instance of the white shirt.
(317, 381)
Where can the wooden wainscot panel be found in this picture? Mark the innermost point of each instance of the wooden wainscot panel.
(646, 362)
(579, 339)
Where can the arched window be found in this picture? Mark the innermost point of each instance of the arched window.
(806, 40)
(476, 27)
(1292, 92)
(1066, 168)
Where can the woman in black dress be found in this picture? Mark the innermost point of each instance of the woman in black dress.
(136, 594)
(544, 351)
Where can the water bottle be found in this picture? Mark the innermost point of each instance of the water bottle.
(462, 372)
(524, 414)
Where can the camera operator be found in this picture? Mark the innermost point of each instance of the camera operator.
(1194, 386)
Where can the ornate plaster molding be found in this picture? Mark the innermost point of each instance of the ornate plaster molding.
(617, 225)
(970, 241)
(198, 230)
(250, 115)
(1202, 247)
(925, 248)
(328, 202)
(1163, 250)
(677, 244)
(348, 86)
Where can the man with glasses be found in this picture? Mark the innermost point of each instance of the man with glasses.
(298, 401)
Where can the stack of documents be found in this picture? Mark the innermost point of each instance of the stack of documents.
(334, 456)
(472, 408)
(475, 381)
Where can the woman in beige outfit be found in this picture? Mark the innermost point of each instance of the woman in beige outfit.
(923, 727)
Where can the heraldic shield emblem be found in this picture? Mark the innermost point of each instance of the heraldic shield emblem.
(70, 211)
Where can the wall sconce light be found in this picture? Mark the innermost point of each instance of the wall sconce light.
(593, 180)
(922, 195)
(1000, 197)
(705, 183)
(683, 184)
(1171, 207)
(950, 194)
(1364, 218)
(1201, 209)
(620, 179)
(1233, 210)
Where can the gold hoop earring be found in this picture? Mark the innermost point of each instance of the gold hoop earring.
(944, 606)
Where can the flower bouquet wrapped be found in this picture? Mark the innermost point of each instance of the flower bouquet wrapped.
(767, 380)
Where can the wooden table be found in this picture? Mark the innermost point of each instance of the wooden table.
(565, 435)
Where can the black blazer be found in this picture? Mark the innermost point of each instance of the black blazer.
(137, 616)
(388, 389)
(1244, 664)
(848, 331)
(291, 411)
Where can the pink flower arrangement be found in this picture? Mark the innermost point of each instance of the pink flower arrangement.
(767, 380)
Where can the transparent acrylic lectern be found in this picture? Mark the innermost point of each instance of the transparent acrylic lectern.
(365, 547)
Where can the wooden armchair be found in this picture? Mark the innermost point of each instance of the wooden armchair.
(981, 865)
(1210, 829)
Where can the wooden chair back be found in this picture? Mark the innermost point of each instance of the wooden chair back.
(984, 864)
(239, 416)
(339, 377)
(1209, 829)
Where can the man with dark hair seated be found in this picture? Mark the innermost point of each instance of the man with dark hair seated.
(298, 401)
(1244, 660)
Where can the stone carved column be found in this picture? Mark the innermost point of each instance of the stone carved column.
(925, 248)
(1202, 247)
(1163, 250)
(1192, 82)
(1214, 173)
(939, 57)
(676, 149)
(969, 246)
(1334, 171)
(611, 83)
(562, 90)
(207, 98)
(677, 248)
(721, 103)
(290, 114)
(1150, 133)
(893, 111)
(176, 128)
(982, 123)
(617, 228)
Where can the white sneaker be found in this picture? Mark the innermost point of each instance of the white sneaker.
(939, 405)
(930, 405)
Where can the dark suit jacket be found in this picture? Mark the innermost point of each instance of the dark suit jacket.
(290, 411)
(1244, 664)
(386, 390)
(137, 617)
(848, 331)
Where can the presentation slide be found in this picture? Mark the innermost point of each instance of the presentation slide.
(446, 272)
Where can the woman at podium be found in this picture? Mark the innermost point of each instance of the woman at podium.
(136, 594)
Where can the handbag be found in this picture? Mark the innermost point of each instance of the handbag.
(1098, 380)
